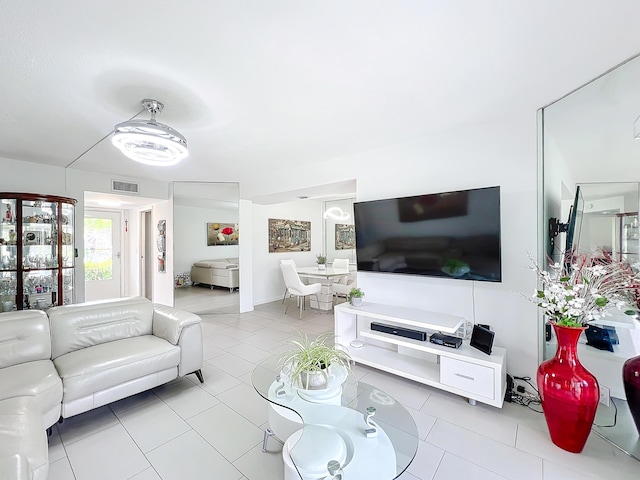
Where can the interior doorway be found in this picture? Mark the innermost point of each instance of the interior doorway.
(102, 254)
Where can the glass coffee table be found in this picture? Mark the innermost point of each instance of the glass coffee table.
(350, 430)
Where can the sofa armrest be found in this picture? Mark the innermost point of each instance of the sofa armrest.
(15, 467)
(168, 322)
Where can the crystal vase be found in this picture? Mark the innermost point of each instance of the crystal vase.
(569, 393)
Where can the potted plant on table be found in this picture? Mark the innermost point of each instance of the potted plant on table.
(321, 260)
(355, 297)
(315, 365)
(580, 290)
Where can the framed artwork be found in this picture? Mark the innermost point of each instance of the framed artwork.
(289, 236)
(222, 234)
(345, 236)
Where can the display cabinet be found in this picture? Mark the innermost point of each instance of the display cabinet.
(628, 241)
(37, 251)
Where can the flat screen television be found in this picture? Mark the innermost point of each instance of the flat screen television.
(574, 224)
(450, 234)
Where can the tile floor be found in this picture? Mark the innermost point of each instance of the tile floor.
(188, 431)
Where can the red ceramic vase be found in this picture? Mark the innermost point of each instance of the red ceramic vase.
(569, 393)
(631, 380)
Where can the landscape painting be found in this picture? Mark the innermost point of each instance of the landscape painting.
(289, 235)
(345, 236)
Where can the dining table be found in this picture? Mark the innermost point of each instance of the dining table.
(323, 301)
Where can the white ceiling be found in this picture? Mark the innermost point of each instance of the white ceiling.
(255, 84)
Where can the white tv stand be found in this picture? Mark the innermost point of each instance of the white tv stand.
(464, 371)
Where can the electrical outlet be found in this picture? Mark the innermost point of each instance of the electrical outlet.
(604, 396)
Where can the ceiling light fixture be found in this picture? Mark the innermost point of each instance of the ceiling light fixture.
(150, 142)
(336, 213)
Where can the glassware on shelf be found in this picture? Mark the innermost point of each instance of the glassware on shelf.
(41, 228)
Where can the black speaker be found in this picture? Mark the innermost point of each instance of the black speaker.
(547, 331)
(401, 332)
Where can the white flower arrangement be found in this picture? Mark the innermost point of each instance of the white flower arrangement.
(584, 289)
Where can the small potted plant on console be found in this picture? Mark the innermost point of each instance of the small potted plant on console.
(321, 260)
(355, 297)
(314, 365)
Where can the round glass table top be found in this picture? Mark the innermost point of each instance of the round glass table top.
(348, 428)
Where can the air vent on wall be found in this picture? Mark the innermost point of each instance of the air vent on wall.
(125, 187)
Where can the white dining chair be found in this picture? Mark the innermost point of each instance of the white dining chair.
(287, 261)
(296, 288)
(340, 264)
(343, 285)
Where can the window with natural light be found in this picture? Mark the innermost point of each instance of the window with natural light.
(98, 251)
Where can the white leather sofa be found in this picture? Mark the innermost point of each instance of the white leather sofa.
(78, 357)
(221, 272)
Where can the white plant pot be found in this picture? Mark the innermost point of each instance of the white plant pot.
(356, 301)
(322, 266)
(315, 380)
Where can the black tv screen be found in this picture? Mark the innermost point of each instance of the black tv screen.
(574, 224)
(451, 234)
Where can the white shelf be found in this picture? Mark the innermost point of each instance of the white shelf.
(422, 319)
(469, 372)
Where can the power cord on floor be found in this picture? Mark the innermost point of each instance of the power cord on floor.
(517, 393)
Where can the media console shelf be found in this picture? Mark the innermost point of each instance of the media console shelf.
(463, 371)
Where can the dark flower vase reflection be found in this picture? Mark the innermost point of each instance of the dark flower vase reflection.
(631, 380)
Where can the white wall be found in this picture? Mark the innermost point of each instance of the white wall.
(190, 235)
(268, 284)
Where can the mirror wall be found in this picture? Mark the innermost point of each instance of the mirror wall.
(339, 230)
(588, 141)
(206, 229)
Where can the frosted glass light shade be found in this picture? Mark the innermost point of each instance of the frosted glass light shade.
(150, 142)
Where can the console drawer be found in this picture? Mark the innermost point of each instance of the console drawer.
(475, 379)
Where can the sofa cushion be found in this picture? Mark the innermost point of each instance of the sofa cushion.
(83, 325)
(37, 379)
(24, 337)
(103, 366)
(22, 432)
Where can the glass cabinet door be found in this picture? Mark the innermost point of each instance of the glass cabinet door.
(628, 237)
(37, 251)
(8, 255)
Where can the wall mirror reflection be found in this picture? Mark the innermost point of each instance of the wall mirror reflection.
(206, 252)
(339, 229)
(589, 146)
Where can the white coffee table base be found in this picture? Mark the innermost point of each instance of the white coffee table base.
(372, 457)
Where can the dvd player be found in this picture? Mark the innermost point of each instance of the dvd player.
(445, 340)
